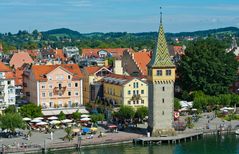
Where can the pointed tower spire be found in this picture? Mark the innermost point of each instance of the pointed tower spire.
(160, 56)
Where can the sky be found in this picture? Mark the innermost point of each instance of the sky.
(117, 15)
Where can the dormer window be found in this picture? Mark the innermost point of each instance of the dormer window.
(69, 77)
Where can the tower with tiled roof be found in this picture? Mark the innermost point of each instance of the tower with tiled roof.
(161, 77)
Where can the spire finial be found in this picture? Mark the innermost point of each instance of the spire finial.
(161, 15)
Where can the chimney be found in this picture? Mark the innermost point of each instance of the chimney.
(118, 69)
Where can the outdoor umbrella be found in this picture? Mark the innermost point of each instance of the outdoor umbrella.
(41, 123)
(76, 130)
(40, 118)
(52, 118)
(66, 121)
(85, 130)
(36, 120)
(112, 126)
(53, 122)
(85, 119)
(93, 129)
(84, 116)
(26, 119)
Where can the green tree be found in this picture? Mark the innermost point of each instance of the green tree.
(206, 66)
(61, 116)
(10, 109)
(141, 112)
(97, 117)
(76, 115)
(177, 105)
(126, 112)
(11, 121)
(30, 110)
(69, 134)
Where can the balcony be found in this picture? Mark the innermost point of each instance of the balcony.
(59, 90)
(136, 97)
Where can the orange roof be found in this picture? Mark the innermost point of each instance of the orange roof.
(116, 52)
(19, 77)
(142, 59)
(20, 58)
(59, 54)
(4, 68)
(33, 53)
(92, 69)
(179, 50)
(39, 71)
(9, 75)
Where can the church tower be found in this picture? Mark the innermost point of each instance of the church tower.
(161, 77)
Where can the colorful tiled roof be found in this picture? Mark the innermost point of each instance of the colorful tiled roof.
(59, 54)
(92, 69)
(40, 71)
(20, 58)
(160, 56)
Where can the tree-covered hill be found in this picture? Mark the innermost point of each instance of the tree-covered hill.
(57, 38)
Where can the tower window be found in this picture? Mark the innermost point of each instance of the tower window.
(159, 73)
(162, 112)
(163, 89)
(163, 100)
(168, 72)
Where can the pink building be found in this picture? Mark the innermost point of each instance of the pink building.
(54, 86)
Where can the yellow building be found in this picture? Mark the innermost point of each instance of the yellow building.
(125, 90)
(92, 74)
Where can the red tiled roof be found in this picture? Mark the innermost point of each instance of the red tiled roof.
(33, 53)
(142, 59)
(19, 77)
(92, 69)
(20, 58)
(39, 71)
(116, 52)
(59, 54)
(179, 50)
(9, 75)
(4, 68)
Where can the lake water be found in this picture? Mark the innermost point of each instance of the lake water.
(213, 144)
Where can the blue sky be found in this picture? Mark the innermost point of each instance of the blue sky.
(117, 15)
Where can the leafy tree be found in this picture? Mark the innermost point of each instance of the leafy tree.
(30, 110)
(97, 117)
(177, 105)
(11, 121)
(141, 112)
(76, 115)
(11, 109)
(69, 134)
(206, 66)
(126, 112)
(61, 116)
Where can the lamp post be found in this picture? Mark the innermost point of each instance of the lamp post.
(79, 140)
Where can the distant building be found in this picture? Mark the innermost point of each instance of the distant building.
(103, 53)
(70, 51)
(125, 90)
(234, 48)
(92, 89)
(54, 86)
(19, 59)
(7, 87)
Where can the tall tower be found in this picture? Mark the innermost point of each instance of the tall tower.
(161, 77)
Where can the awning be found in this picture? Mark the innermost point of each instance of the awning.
(66, 111)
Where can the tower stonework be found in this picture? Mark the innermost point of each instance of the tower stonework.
(161, 77)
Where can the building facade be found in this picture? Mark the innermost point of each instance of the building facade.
(125, 90)
(7, 87)
(71, 51)
(161, 77)
(54, 86)
(92, 89)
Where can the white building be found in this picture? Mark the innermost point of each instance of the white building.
(71, 51)
(7, 87)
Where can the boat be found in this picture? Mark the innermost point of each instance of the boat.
(237, 132)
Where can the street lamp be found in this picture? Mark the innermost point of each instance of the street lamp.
(79, 140)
